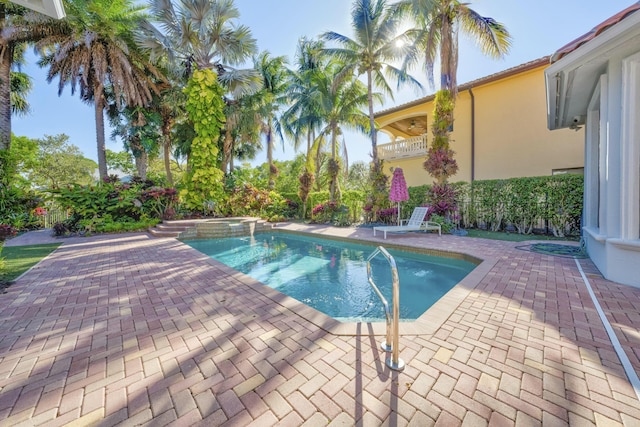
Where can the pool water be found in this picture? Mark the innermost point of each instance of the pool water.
(331, 276)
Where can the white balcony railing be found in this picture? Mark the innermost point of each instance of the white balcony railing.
(404, 148)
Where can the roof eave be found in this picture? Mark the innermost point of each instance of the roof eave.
(52, 8)
(561, 75)
(536, 63)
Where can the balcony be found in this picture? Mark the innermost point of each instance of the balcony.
(404, 148)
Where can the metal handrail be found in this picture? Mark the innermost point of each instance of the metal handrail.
(393, 326)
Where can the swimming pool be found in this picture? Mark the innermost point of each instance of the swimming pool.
(331, 276)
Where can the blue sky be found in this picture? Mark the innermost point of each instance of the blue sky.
(538, 28)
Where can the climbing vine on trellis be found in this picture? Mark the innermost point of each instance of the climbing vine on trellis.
(204, 183)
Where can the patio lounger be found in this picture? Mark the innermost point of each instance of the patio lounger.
(415, 223)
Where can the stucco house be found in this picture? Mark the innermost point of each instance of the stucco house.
(500, 131)
(52, 8)
(594, 82)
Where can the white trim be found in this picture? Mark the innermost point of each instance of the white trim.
(603, 171)
(615, 342)
(595, 234)
(592, 161)
(630, 245)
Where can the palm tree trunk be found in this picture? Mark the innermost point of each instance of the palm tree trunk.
(227, 145)
(272, 182)
(141, 164)
(166, 148)
(101, 146)
(372, 121)
(446, 50)
(6, 57)
(333, 187)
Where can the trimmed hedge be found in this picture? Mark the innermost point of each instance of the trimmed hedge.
(551, 204)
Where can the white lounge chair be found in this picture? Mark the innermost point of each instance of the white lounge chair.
(415, 223)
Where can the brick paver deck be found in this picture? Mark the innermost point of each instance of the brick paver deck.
(132, 330)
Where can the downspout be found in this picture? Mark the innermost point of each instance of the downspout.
(473, 135)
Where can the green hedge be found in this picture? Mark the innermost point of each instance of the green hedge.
(553, 202)
(549, 203)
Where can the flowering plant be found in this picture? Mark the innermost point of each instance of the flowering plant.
(39, 211)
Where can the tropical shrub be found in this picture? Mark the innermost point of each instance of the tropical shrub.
(160, 201)
(98, 208)
(7, 231)
(331, 213)
(445, 224)
(388, 215)
(378, 197)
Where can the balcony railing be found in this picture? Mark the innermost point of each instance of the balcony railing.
(404, 148)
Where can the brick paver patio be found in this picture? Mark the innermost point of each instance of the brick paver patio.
(132, 330)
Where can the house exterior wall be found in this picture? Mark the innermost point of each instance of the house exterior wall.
(598, 77)
(612, 237)
(511, 134)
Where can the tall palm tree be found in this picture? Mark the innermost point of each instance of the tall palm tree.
(439, 22)
(242, 130)
(270, 99)
(302, 119)
(17, 26)
(99, 56)
(376, 45)
(338, 98)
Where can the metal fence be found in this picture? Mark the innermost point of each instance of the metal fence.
(54, 216)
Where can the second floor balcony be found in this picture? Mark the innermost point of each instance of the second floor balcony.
(404, 148)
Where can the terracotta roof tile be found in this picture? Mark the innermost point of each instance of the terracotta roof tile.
(595, 31)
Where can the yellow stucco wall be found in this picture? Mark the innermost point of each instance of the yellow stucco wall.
(511, 135)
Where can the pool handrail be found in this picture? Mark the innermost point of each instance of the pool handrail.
(393, 325)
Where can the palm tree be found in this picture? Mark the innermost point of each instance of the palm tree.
(338, 98)
(242, 127)
(202, 33)
(20, 86)
(301, 119)
(377, 43)
(99, 56)
(439, 22)
(270, 98)
(140, 129)
(17, 26)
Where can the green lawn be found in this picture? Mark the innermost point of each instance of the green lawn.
(18, 259)
(513, 237)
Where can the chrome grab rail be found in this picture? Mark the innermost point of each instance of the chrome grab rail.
(393, 326)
